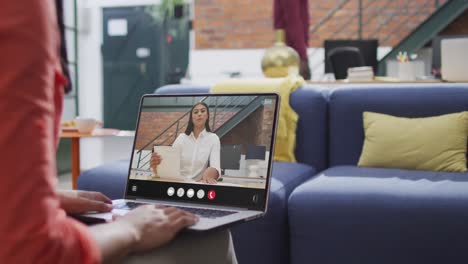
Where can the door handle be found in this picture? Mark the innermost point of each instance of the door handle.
(143, 68)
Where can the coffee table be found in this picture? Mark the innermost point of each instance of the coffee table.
(75, 137)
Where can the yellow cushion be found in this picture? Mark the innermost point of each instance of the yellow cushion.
(287, 123)
(432, 143)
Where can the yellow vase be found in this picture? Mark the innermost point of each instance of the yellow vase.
(280, 60)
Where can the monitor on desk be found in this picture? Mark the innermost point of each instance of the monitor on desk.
(367, 47)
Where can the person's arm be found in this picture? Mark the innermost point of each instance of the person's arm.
(76, 202)
(293, 17)
(33, 227)
(212, 173)
(178, 143)
(215, 154)
(144, 228)
(295, 25)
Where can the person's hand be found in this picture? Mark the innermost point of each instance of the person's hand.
(155, 161)
(154, 226)
(76, 202)
(304, 69)
(210, 175)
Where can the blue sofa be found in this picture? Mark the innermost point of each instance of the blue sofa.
(350, 214)
(325, 209)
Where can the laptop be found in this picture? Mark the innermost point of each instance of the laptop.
(454, 59)
(234, 119)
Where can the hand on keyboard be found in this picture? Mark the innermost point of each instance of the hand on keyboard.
(207, 213)
(154, 226)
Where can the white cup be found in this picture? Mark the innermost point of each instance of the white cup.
(85, 125)
(406, 71)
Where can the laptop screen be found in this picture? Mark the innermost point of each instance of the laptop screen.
(204, 149)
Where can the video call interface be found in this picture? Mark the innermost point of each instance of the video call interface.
(203, 149)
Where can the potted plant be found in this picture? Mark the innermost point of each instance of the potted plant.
(173, 8)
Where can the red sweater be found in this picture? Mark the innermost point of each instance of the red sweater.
(293, 17)
(33, 228)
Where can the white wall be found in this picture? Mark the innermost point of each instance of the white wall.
(95, 151)
(211, 65)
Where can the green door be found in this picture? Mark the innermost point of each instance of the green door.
(131, 50)
(141, 52)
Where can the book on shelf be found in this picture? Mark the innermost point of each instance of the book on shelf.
(364, 73)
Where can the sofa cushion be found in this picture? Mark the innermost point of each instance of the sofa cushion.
(346, 106)
(182, 88)
(267, 240)
(372, 215)
(435, 143)
(109, 178)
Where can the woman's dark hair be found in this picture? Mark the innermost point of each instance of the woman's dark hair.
(189, 128)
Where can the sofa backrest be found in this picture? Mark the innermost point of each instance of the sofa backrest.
(309, 104)
(346, 105)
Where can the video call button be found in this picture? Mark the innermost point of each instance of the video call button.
(211, 195)
(200, 194)
(190, 193)
(170, 191)
(180, 192)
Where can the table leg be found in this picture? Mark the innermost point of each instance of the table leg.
(75, 155)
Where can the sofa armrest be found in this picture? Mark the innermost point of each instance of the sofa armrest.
(109, 178)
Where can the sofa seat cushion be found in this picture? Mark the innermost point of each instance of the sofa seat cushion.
(109, 178)
(373, 215)
(266, 240)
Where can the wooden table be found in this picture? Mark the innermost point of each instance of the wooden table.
(75, 146)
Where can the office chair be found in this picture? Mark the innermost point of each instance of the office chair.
(230, 157)
(342, 58)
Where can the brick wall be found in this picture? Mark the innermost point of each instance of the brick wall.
(247, 24)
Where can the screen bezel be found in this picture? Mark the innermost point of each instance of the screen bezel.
(264, 199)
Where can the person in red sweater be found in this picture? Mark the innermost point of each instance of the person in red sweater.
(293, 17)
(34, 226)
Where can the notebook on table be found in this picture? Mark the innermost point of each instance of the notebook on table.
(454, 59)
(169, 167)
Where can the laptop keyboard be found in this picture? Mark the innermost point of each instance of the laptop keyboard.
(207, 213)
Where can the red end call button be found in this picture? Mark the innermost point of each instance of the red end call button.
(211, 195)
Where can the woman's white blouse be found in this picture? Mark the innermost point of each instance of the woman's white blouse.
(196, 152)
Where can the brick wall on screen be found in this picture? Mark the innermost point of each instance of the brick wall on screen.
(254, 130)
(247, 24)
(153, 123)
